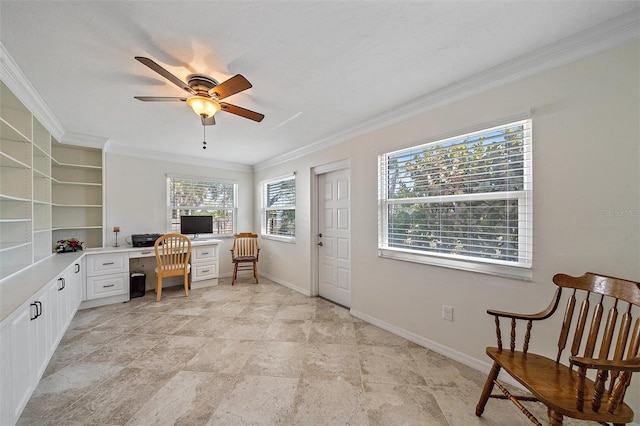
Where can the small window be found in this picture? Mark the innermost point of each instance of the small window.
(279, 208)
(463, 202)
(202, 197)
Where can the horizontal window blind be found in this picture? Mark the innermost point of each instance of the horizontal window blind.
(279, 207)
(201, 196)
(467, 197)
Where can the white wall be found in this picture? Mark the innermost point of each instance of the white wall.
(136, 197)
(586, 153)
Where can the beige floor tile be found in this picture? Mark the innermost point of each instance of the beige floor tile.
(288, 330)
(392, 404)
(329, 361)
(226, 356)
(116, 400)
(55, 393)
(188, 398)
(280, 359)
(329, 401)
(389, 364)
(340, 332)
(257, 400)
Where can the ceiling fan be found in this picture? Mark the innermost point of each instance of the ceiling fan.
(205, 93)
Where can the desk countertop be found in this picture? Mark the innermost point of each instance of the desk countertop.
(129, 248)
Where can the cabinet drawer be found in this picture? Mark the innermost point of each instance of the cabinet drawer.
(150, 252)
(109, 263)
(107, 285)
(204, 272)
(200, 254)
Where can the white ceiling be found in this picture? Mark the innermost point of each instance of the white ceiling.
(319, 68)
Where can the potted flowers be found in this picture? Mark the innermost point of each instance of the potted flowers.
(70, 244)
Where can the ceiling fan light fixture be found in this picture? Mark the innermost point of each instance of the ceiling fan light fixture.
(202, 106)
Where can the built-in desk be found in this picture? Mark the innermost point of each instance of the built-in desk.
(108, 270)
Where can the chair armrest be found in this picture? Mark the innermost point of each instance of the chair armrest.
(531, 317)
(631, 365)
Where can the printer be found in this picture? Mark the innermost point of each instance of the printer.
(144, 240)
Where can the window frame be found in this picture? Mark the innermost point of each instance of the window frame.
(520, 269)
(233, 207)
(265, 208)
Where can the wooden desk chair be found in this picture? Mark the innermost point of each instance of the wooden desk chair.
(245, 250)
(592, 386)
(172, 255)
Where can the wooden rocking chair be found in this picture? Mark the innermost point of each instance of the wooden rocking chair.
(592, 386)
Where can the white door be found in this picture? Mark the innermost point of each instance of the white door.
(334, 237)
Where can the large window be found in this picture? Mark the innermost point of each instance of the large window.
(202, 196)
(462, 202)
(279, 208)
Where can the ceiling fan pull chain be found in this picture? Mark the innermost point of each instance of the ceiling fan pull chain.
(204, 136)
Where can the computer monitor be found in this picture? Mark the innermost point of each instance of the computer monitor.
(196, 225)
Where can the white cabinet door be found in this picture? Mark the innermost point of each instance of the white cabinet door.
(21, 338)
(6, 403)
(41, 326)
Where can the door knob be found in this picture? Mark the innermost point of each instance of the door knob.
(320, 244)
(320, 235)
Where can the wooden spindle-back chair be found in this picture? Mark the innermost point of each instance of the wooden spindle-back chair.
(245, 250)
(602, 353)
(172, 256)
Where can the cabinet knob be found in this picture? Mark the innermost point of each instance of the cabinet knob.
(107, 263)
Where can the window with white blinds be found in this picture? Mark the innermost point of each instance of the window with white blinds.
(463, 202)
(279, 207)
(201, 196)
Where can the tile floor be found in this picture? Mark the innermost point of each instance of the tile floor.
(250, 355)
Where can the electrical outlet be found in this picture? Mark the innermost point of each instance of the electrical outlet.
(447, 313)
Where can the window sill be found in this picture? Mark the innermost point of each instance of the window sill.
(500, 270)
(289, 240)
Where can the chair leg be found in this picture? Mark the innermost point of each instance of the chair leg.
(186, 284)
(555, 418)
(255, 272)
(158, 287)
(488, 387)
(235, 272)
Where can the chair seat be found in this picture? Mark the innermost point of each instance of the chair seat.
(554, 384)
(242, 259)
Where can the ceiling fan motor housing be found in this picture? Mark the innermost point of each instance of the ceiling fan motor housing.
(202, 84)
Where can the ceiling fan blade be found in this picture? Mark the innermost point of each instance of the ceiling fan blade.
(208, 121)
(160, 99)
(242, 112)
(234, 85)
(166, 74)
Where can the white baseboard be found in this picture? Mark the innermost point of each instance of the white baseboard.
(287, 284)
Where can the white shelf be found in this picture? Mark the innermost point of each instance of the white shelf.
(8, 161)
(13, 245)
(58, 182)
(10, 133)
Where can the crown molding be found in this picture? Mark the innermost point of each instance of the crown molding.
(611, 34)
(84, 140)
(113, 147)
(22, 88)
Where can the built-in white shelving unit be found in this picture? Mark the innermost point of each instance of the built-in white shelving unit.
(77, 193)
(48, 190)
